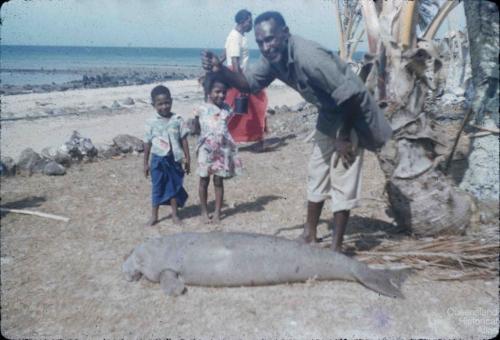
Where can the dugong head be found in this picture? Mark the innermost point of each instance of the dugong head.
(130, 267)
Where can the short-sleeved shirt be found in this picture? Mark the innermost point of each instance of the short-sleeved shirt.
(165, 135)
(237, 46)
(327, 82)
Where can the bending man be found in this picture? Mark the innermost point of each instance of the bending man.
(349, 119)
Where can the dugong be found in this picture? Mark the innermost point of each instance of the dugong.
(225, 259)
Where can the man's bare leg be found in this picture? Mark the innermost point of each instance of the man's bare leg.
(312, 219)
(340, 219)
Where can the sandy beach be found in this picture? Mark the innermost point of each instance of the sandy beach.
(40, 120)
(62, 280)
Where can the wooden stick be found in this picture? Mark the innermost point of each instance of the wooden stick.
(467, 116)
(480, 134)
(35, 213)
(482, 128)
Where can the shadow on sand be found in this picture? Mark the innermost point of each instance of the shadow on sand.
(28, 202)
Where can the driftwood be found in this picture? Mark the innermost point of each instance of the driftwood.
(35, 213)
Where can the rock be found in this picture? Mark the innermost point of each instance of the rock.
(62, 156)
(116, 105)
(29, 162)
(106, 151)
(79, 147)
(128, 101)
(271, 111)
(298, 107)
(49, 153)
(127, 143)
(7, 167)
(284, 108)
(281, 109)
(53, 168)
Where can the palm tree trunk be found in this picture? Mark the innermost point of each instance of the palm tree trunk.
(421, 196)
(481, 178)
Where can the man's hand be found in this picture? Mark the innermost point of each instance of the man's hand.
(187, 166)
(210, 62)
(344, 151)
(146, 170)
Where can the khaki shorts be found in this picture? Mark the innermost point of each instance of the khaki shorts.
(324, 181)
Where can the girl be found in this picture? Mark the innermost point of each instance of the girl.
(166, 140)
(217, 152)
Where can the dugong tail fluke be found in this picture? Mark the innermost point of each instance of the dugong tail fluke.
(384, 281)
(225, 259)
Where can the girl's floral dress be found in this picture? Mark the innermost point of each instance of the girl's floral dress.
(217, 152)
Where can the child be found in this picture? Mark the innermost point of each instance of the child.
(166, 140)
(217, 152)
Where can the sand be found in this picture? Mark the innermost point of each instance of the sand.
(89, 112)
(63, 280)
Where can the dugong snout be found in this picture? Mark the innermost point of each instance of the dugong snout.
(129, 268)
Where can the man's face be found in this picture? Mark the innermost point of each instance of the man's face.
(272, 40)
(247, 24)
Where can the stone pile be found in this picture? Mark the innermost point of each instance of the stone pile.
(53, 161)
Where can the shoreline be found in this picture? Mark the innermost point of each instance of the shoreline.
(99, 77)
(39, 120)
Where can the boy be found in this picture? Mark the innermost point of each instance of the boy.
(166, 140)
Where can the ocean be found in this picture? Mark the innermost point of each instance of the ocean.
(38, 65)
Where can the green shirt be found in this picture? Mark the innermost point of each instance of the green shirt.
(327, 82)
(165, 135)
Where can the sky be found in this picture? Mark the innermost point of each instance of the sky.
(155, 23)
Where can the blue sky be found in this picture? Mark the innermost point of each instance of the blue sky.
(155, 23)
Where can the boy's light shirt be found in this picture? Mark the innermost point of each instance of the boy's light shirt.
(166, 134)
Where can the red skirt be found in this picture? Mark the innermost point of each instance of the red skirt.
(248, 127)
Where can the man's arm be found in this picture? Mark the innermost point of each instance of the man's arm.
(235, 61)
(211, 63)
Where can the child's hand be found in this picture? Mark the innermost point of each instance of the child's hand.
(187, 166)
(146, 170)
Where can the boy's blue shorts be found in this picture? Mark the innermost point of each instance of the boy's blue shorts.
(167, 177)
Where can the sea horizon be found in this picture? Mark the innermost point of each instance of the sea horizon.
(49, 64)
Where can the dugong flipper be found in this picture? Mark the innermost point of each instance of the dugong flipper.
(224, 259)
(172, 283)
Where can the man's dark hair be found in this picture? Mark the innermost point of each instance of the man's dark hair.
(160, 89)
(242, 15)
(278, 18)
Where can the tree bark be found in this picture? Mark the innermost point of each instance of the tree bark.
(481, 178)
(423, 199)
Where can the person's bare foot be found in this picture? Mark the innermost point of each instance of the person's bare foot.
(216, 218)
(205, 219)
(152, 221)
(177, 221)
(336, 248)
(307, 238)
